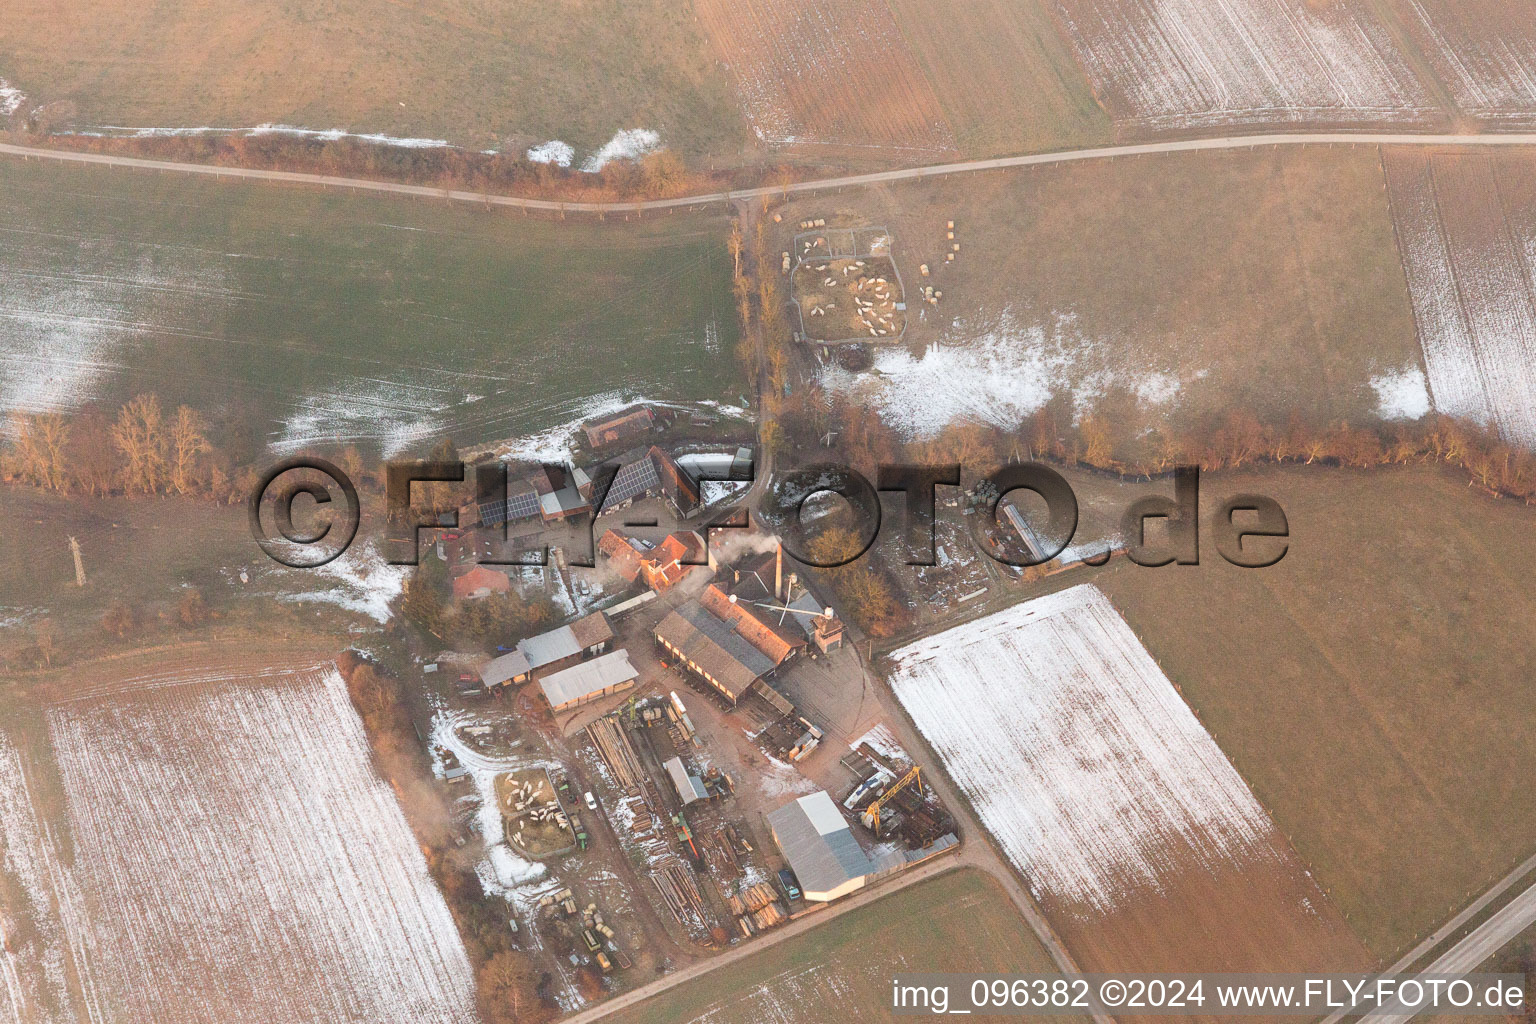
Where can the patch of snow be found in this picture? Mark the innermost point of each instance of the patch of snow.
(782, 780)
(1402, 394)
(11, 98)
(511, 870)
(365, 582)
(626, 144)
(1077, 752)
(883, 742)
(396, 416)
(324, 135)
(552, 152)
(738, 412)
(1000, 377)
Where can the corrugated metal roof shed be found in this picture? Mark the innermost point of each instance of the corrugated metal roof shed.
(504, 669)
(588, 678)
(689, 787)
(818, 843)
(550, 647)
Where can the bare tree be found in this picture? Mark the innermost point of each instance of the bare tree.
(139, 434)
(188, 440)
(41, 440)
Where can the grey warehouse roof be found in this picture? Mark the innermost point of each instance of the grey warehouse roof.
(689, 787)
(818, 844)
(588, 677)
(504, 669)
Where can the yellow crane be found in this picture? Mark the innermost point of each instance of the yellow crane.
(871, 816)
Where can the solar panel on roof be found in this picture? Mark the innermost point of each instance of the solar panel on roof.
(632, 480)
(519, 506)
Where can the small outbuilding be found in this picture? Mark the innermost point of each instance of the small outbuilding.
(511, 669)
(690, 788)
(624, 426)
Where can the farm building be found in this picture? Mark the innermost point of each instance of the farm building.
(621, 427)
(713, 650)
(690, 788)
(623, 554)
(814, 837)
(589, 681)
(511, 668)
(477, 581)
(782, 604)
(821, 626)
(547, 493)
(652, 473)
(752, 623)
(661, 566)
(560, 648)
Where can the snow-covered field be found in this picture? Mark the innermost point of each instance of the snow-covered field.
(33, 977)
(1471, 269)
(236, 859)
(1485, 51)
(1078, 754)
(1000, 375)
(1170, 64)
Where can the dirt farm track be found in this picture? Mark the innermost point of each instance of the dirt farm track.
(739, 195)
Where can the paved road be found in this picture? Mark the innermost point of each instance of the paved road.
(1464, 957)
(1450, 927)
(739, 195)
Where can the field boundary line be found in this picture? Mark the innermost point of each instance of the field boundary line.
(738, 195)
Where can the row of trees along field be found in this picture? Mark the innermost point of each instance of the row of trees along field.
(143, 448)
(659, 175)
(1234, 440)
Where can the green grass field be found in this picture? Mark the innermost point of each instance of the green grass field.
(1374, 688)
(479, 74)
(350, 318)
(842, 970)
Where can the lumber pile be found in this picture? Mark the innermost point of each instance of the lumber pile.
(680, 891)
(617, 752)
(756, 909)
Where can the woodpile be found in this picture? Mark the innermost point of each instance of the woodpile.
(618, 753)
(680, 891)
(756, 909)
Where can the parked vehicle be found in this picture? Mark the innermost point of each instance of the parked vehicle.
(787, 883)
(591, 800)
